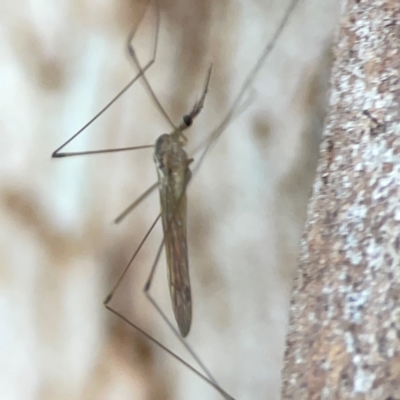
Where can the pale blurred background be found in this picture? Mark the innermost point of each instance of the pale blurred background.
(61, 61)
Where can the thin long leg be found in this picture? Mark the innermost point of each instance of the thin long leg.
(146, 291)
(219, 129)
(56, 153)
(135, 59)
(209, 378)
(111, 294)
(211, 139)
(135, 203)
(168, 351)
(90, 152)
(214, 135)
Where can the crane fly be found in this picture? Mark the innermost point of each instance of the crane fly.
(174, 175)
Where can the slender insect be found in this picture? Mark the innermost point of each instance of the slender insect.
(174, 175)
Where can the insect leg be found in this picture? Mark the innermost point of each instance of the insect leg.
(57, 153)
(111, 294)
(135, 203)
(168, 351)
(208, 377)
(135, 59)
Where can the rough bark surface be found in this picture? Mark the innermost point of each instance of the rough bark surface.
(344, 335)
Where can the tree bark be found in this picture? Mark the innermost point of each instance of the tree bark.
(344, 334)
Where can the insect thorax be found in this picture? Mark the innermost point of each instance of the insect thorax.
(172, 161)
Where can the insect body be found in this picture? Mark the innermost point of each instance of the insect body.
(173, 176)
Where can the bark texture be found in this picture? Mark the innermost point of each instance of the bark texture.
(344, 334)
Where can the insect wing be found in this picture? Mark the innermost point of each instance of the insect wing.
(174, 175)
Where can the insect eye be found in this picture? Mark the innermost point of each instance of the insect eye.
(188, 120)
